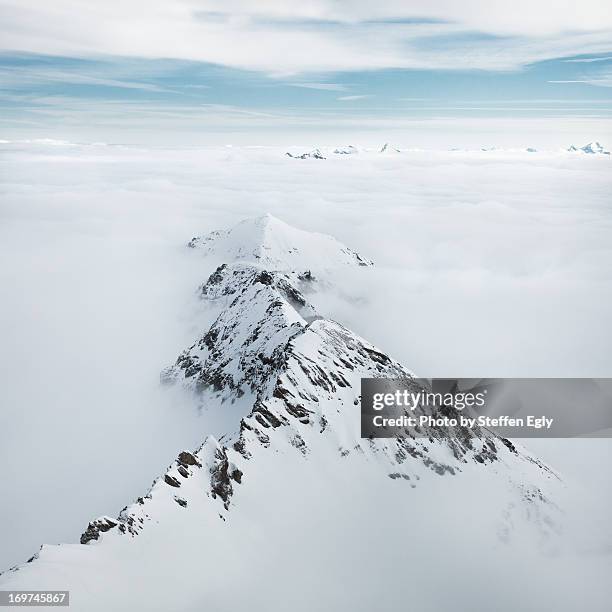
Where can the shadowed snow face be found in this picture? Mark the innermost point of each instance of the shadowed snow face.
(487, 264)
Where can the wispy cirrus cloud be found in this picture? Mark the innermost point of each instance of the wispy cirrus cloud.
(20, 76)
(322, 86)
(600, 82)
(351, 98)
(588, 60)
(599, 78)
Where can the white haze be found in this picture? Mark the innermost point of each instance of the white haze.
(488, 264)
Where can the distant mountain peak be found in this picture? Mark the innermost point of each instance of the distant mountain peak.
(387, 148)
(592, 148)
(348, 150)
(314, 154)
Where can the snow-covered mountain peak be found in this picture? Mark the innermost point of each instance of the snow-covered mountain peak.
(314, 154)
(387, 148)
(592, 148)
(276, 245)
(348, 150)
(279, 387)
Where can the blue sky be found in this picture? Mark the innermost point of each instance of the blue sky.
(211, 67)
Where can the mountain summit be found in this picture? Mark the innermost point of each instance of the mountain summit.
(271, 243)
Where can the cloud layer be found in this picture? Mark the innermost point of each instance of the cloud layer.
(487, 264)
(285, 37)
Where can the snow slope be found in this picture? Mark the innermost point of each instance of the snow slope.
(288, 508)
(274, 244)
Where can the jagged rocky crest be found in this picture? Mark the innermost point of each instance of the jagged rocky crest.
(300, 373)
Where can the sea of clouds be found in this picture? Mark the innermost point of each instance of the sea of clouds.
(488, 263)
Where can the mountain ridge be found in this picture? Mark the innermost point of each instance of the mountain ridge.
(286, 380)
